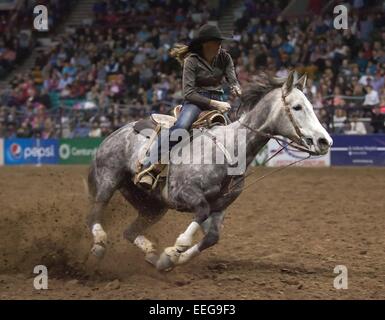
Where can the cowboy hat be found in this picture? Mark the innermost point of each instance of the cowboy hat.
(208, 32)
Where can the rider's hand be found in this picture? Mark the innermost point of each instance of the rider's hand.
(236, 91)
(220, 105)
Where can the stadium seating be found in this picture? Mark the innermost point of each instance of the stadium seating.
(121, 65)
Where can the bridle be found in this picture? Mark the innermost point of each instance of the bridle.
(282, 142)
(290, 115)
(300, 136)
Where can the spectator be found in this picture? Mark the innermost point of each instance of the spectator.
(371, 99)
(95, 131)
(339, 121)
(355, 127)
(81, 131)
(25, 131)
(377, 121)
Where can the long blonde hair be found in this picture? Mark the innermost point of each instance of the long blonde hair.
(181, 51)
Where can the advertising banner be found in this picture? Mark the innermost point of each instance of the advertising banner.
(31, 151)
(352, 150)
(288, 156)
(78, 151)
(1, 152)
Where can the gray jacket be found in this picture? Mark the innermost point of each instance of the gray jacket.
(199, 75)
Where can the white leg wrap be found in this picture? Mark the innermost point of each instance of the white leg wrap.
(144, 244)
(192, 228)
(173, 253)
(184, 241)
(99, 235)
(188, 255)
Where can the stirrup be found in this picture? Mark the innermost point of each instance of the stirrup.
(144, 177)
(147, 181)
(149, 177)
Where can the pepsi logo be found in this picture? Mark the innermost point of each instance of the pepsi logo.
(15, 150)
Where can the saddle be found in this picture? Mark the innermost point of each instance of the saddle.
(207, 119)
(157, 122)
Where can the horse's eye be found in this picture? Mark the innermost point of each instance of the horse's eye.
(298, 107)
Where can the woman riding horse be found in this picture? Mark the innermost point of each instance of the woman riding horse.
(205, 64)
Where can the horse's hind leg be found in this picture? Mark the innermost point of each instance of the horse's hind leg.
(94, 223)
(150, 211)
(101, 191)
(135, 234)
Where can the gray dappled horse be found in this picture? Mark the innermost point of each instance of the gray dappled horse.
(275, 107)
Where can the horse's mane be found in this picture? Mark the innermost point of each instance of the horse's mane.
(262, 85)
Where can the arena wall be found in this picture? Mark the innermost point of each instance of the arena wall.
(368, 150)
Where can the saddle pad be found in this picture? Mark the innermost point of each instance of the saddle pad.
(163, 120)
(142, 124)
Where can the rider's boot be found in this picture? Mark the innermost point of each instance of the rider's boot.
(146, 178)
(150, 167)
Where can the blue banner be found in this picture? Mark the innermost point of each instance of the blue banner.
(31, 151)
(358, 150)
(347, 150)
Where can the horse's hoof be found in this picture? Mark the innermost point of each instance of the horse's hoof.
(98, 250)
(167, 260)
(164, 263)
(152, 258)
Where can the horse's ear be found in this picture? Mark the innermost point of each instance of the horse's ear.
(301, 83)
(289, 84)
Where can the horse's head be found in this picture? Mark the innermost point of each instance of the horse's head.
(295, 118)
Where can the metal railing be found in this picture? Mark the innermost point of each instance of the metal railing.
(67, 117)
(342, 111)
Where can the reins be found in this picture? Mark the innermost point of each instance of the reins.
(279, 141)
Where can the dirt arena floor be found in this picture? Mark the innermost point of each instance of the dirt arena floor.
(281, 240)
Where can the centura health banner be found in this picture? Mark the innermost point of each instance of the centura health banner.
(289, 155)
(368, 150)
(78, 151)
(31, 151)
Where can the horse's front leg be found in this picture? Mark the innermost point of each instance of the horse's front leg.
(211, 228)
(171, 255)
(182, 251)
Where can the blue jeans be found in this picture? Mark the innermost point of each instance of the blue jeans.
(189, 114)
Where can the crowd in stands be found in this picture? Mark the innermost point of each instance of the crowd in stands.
(346, 67)
(172, 14)
(16, 35)
(97, 78)
(108, 73)
(14, 46)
